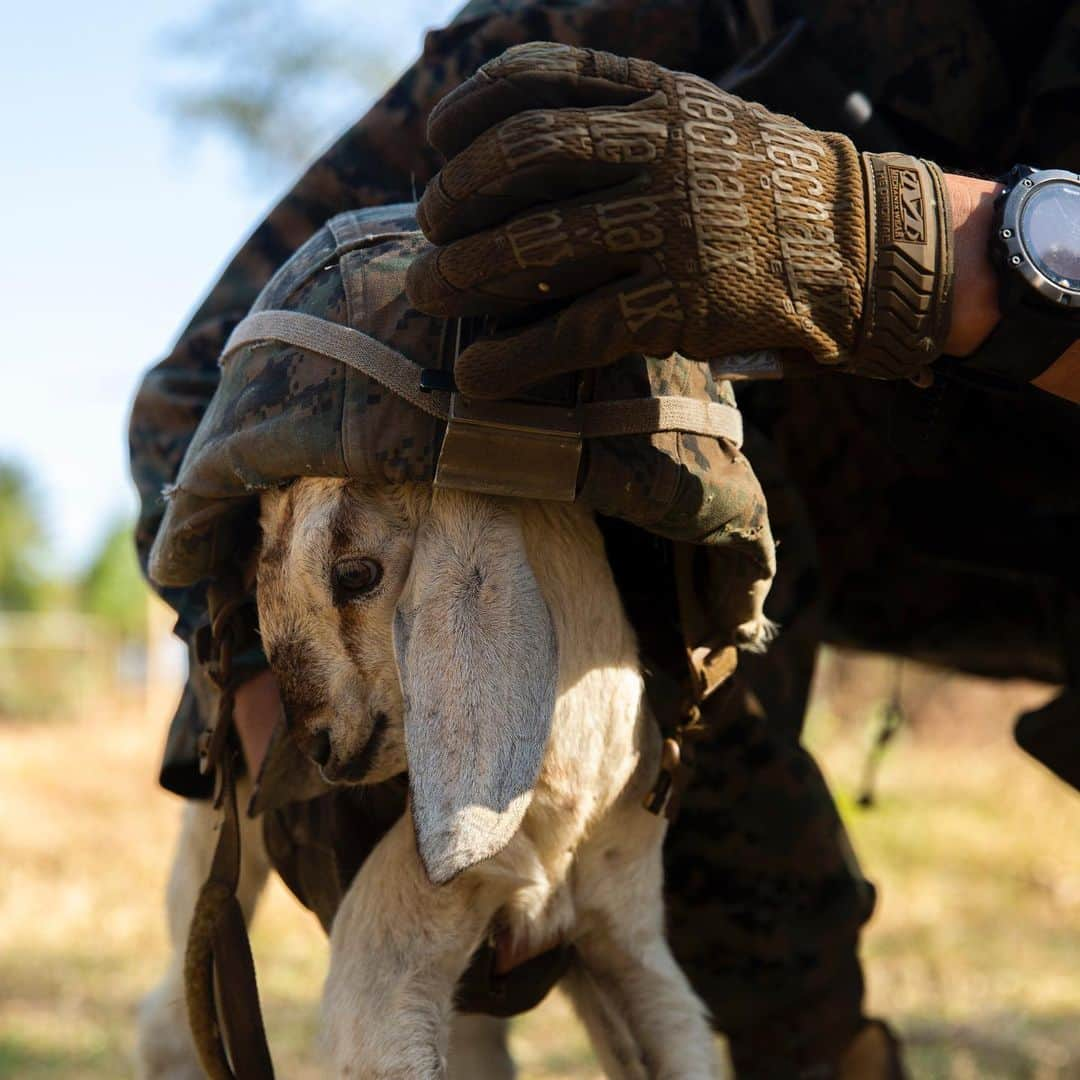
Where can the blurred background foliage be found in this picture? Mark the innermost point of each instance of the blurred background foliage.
(112, 586)
(22, 586)
(63, 634)
(276, 78)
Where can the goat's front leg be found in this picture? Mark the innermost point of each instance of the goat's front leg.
(614, 1044)
(397, 948)
(632, 972)
(640, 1011)
(165, 1050)
(479, 1049)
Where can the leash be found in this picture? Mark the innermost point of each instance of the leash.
(219, 973)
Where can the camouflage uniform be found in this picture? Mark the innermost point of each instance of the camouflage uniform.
(933, 524)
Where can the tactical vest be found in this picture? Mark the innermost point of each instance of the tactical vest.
(334, 374)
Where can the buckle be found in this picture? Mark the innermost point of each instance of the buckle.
(525, 449)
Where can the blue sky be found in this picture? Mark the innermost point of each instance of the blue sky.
(113, 226)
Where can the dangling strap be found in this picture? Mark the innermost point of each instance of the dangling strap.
(687, 706)
(336, 342)
(219, 973)
(395, 371)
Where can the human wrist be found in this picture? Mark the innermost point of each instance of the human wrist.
(909, 268)
(975, 310)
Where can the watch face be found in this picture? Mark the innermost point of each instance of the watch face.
(1050, 230)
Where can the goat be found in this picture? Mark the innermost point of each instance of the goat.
(481, 644)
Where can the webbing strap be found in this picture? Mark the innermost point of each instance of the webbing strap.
(643, 416)
(219, 974)
(375, 359)
(395, 371)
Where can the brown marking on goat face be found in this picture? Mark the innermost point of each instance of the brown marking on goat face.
(303, 690)
(350, 617)
(275, 548)
(335, 659)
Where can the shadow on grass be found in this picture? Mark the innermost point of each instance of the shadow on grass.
(994, 1047)
(20, 1058)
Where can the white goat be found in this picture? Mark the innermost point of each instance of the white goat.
(482, 644)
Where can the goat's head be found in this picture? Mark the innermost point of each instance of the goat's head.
(407, 629)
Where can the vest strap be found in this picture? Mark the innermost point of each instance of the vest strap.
(395, 371)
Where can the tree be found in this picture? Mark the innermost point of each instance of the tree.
(22, 539)
(113, 587)
(270, 76)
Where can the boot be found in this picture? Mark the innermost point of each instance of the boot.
(873, 1053)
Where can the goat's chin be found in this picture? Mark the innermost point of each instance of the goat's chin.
(379, 758)
(356, 772)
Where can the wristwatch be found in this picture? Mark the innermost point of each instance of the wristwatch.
(1035, 249)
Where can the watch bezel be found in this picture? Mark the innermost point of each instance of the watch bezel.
(1017, 259)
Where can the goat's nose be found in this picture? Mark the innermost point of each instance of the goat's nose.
(319, 749)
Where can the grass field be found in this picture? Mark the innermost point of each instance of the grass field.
(974, 951)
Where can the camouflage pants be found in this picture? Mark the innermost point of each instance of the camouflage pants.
(765, 899)
(937, 540)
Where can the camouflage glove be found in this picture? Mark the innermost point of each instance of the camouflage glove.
(613, 206)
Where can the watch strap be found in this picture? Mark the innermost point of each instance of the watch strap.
(1026, 341)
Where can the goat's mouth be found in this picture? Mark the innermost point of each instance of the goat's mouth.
(354, 770)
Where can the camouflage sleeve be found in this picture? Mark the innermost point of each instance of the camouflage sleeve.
(384, 158)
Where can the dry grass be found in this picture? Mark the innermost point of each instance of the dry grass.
(974, 951)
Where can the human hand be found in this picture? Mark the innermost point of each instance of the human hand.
(664, 214)
(256, 710)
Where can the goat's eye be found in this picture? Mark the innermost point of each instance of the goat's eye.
(353, 578)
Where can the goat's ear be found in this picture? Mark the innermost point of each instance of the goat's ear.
(478, 660)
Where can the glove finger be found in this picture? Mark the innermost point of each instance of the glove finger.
(551, 254)
(588, 333)
(537, 75)
(538, 157)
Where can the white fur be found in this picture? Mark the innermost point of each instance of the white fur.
(571, 857)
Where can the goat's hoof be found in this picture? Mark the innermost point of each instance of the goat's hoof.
(756, 635)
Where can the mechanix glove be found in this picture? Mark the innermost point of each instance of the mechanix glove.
(600, 206)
